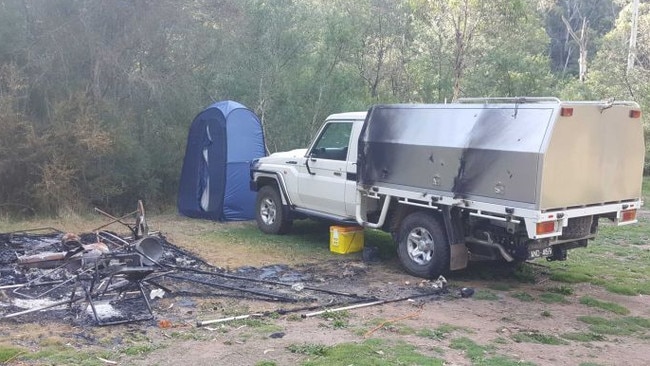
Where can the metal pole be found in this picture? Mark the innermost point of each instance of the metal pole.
(309, 315)
(373, 303)
(222, 320)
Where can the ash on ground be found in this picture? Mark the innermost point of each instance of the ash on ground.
(104, 278)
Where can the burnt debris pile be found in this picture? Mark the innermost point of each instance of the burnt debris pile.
(108, 278)
(104, 278)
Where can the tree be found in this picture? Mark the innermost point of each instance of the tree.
(455, 30)
(631, 55)
(588, 20)
(610, 78)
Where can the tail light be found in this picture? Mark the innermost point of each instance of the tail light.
(566, 112)
(635, 113)
(546, 227)
(628, 215)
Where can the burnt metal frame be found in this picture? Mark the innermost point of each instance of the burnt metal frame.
(132, 272)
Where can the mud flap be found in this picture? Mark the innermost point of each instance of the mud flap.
(458, 254)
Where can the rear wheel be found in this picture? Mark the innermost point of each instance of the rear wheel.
(422, 245)
(270, 215)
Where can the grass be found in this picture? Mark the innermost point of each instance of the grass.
(260, 325)
(523, 296)
(8, 352)
(309, 349)
(562, 290)
(537, 337)
(393, 327)
(189, 335)
(485, 295)
(609, 306)
(306, 238)
(631, 325)
(65, 355)
(438, 333)
(553, 298)
(139, 349)
(372, 352)
(500, 286)
(338, 319)
(613, 261)
(483, 355)
(266, 363)
(583, 337)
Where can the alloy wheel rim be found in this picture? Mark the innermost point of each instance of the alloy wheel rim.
(419, 245)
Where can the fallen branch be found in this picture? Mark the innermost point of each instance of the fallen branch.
(412, 315)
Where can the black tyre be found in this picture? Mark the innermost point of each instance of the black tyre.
(270, 215)
(422, 245)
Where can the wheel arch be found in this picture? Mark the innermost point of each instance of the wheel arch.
(275, 180)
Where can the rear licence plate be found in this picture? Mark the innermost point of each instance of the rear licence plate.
(537, 253)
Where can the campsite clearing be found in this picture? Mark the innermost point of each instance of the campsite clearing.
(517, 317)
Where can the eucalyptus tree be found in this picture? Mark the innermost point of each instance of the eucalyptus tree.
(576, 28)
(610, 78)
(453, 32)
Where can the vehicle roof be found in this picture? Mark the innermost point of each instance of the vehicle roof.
(348, 116)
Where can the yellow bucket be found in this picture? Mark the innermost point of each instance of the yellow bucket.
(346, 239)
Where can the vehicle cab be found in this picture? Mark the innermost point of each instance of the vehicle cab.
(319, 181)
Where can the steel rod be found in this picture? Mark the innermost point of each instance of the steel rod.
(223, 320)
(373, 303)
(279, 311)
(28, 284)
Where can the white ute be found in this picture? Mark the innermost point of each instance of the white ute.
(506, 179)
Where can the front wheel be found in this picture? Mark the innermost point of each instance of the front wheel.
(422, 245)
(270, 215)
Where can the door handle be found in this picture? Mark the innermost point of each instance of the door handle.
(291, 162)
(338, 174)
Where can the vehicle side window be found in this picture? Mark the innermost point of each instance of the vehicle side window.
(333, 142)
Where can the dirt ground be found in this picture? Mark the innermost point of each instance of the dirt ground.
(175, 339)
(486, 322)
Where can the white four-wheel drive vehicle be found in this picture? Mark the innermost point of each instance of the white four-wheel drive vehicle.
(501, 179)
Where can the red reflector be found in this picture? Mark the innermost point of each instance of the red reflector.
(566, 112)
(635, 113)
(545, 227)
(629, 215)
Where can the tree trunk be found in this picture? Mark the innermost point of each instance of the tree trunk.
(631, 55)
(582, 41)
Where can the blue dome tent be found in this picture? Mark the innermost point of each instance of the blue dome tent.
(222, 141)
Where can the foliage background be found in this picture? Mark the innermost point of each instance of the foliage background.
(96, 97)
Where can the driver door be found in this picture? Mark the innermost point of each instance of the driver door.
(321, 186)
